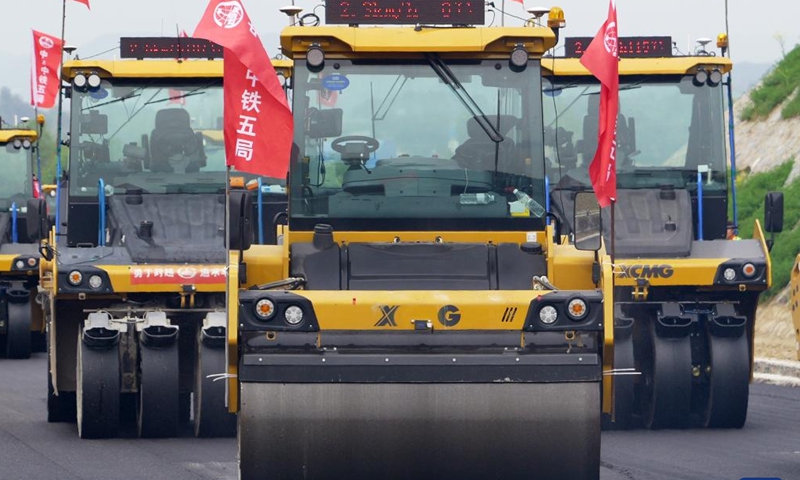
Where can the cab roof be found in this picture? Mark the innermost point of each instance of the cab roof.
(8, 136)
(339, 41)
(156, 68)
(640, 66)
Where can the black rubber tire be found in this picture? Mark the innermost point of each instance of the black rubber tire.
(624, 398)
(98, 391)
(158, 412)
(211, 417)
(668, 381)
(729, 384)
(18, 336)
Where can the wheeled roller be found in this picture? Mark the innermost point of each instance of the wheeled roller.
(18, 332)
(158, 403)
(419, 431)
(211, 417)
(98, 380)
(729, 361)
(667, 370)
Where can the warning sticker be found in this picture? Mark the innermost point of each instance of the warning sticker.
(153, 275)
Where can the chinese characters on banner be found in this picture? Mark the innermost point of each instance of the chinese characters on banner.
(602, 59)
(45, 75)
(166, 275)
(258, 122)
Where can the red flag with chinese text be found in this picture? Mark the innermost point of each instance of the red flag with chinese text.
(44, 69)
(258, 121)
(85, 2)
(602, 59)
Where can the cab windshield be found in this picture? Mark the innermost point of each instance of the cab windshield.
(154, 137)
(16, 181)
(423, 145)
(667, 128)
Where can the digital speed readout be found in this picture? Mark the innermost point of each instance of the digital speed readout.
(405, 12)
(632, 47)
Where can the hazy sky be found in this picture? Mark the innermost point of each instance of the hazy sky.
(754, 26)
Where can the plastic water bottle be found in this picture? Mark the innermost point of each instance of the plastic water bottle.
(476, 198)
(532, 205)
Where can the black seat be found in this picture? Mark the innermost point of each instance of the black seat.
(478, 151)
(173, 143)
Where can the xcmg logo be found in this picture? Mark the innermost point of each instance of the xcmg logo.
(643, 271)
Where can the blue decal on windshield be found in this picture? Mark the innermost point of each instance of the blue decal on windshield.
(336, 82)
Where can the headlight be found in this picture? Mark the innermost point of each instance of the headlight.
(749, 270)
(548, 314)
(20, 264)
(26, 144)
(95, 281)
(576, 309)
(294, 315)
(729, 274)
(265, 309)
(519, 56)
(93, 81)
(32, 262)
(80, 81)
(75, 277)
(315, 56)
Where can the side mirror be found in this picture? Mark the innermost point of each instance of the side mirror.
(773, 212)
(36, 219)
(587, 222)
(240, 223)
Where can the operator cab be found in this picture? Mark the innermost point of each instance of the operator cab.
(671, 125)
(431, 141)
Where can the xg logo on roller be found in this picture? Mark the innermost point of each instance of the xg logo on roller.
(644, 271)
(449, 315)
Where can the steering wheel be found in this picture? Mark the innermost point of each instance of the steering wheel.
(369, 143)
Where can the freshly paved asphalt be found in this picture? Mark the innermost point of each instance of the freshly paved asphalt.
(31, 448)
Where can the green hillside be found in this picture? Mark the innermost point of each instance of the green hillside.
(776, 88)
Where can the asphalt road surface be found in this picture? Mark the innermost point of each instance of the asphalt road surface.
(31, 448)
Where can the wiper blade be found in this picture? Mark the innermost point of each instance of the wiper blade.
(448, 77)
(120, 99)
(622, 88)
(558, 88)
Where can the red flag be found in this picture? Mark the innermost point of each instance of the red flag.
(518, 1)
(258, 122)
(85, 2)
(45, 65)
(601, 58)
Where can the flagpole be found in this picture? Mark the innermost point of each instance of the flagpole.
(613, 233)
(38, 148)
(228, 278)
(60, 118)
(503, 13)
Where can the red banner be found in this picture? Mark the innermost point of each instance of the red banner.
(85, 2)
(602, 59)
(258, 122)
(44, 73)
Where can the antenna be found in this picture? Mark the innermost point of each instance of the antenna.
(292, 12)
(537, 13)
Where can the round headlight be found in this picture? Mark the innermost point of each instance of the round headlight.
(749, 270)
(32, 262)
(294, 315)
(26, 144)
(729, 274)
(315, 57)
(80, 81)
(714, 77)
(548, 314)
(576, 309)
(93, 81)
(95, 281)
(519, 56)
(20, 264)
(17, 143)
(700, 77)
(265, 309)
(75, 277)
